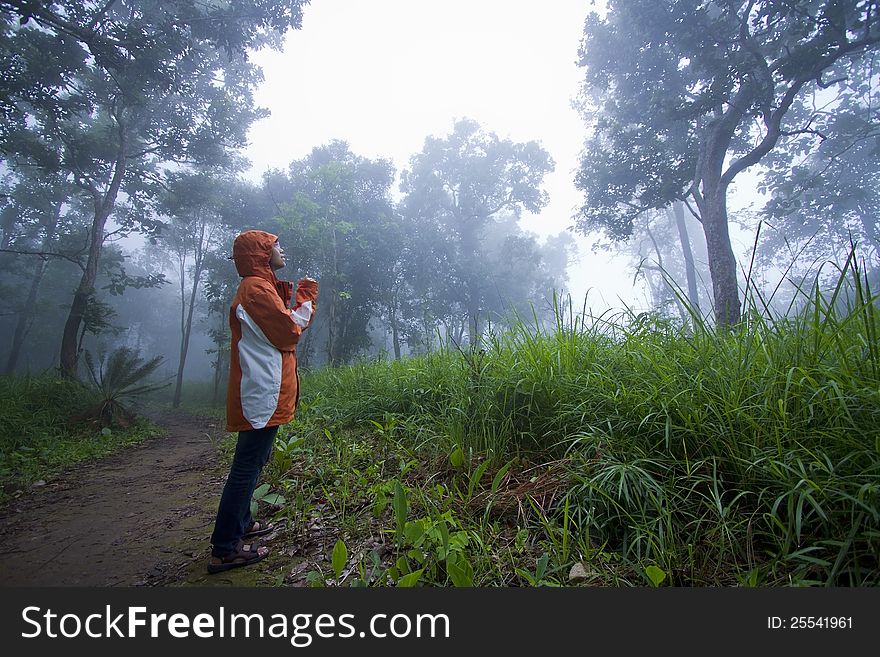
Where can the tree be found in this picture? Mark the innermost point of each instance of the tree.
(464, 180)
(221, 282)
(520, 275)
(38, 202)
(193, 204)
(337, 216)
(684, 95)
(132, 88)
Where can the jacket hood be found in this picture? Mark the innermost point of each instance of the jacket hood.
(251, 252)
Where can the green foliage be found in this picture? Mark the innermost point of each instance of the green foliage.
(470, 186)
(39, 434)
(707, 457)
(338, 210)
(537, 578)
(339, 558)
(112, 97)
(655, 575)
(262, 493)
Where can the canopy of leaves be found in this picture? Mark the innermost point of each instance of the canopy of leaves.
(676, 91)
(471, 175)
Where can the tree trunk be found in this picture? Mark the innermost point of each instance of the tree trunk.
(25, 317)
(70, 337)
(304, 348)
(663, 290)
(7, 223)
(722, 263)
(187, 324)
(184, 341)
(471, 255)
(712, 181)
(473, 318)
(332, 351)
(103, 208)
(690, 269)
(711, 201)
(395, 333)
(222, 343)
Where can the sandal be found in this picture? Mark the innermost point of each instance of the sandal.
(257, 528)
(243, 555)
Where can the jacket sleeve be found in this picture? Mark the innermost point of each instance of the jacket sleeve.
(282, 327)
(306, 302)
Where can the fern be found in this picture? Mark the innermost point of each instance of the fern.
(120, 378)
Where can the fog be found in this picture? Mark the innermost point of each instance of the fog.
(443, 171)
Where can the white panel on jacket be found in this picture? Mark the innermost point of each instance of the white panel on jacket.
(260, 365)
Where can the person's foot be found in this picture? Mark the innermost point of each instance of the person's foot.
(244, 555)
(257, 528)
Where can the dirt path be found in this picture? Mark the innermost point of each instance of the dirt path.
(141, 517)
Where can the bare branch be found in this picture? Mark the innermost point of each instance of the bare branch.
(45, 255)
(830, 83)
(803, 131)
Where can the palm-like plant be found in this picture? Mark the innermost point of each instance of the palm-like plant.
(120, 378)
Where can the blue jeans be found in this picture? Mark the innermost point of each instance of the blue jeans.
(234, 513)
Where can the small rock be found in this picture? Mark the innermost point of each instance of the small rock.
(37, 484)
(577, 573)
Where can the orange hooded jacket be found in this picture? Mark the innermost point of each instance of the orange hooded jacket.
(263, 381)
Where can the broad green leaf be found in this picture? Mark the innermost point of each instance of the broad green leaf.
(541, 566)
(408, 581)
(456, 458)
(339, 558)
(415, 530)
(475, 478)
(655, 574)
(460, 571)
(400, 505)
(443, 550)
(275, 499)
(402, 565)
(416, 555)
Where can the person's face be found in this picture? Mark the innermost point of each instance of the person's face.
(276, 262)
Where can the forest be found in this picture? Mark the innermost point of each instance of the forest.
(463, 420)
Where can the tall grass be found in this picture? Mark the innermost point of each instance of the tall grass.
(745, 456)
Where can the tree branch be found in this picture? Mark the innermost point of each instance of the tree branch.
(45, 255)
(773, 127)
(803, 131)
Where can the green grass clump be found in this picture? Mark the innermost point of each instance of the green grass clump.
(739, 457)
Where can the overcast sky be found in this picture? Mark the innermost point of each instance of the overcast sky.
(385, 74)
